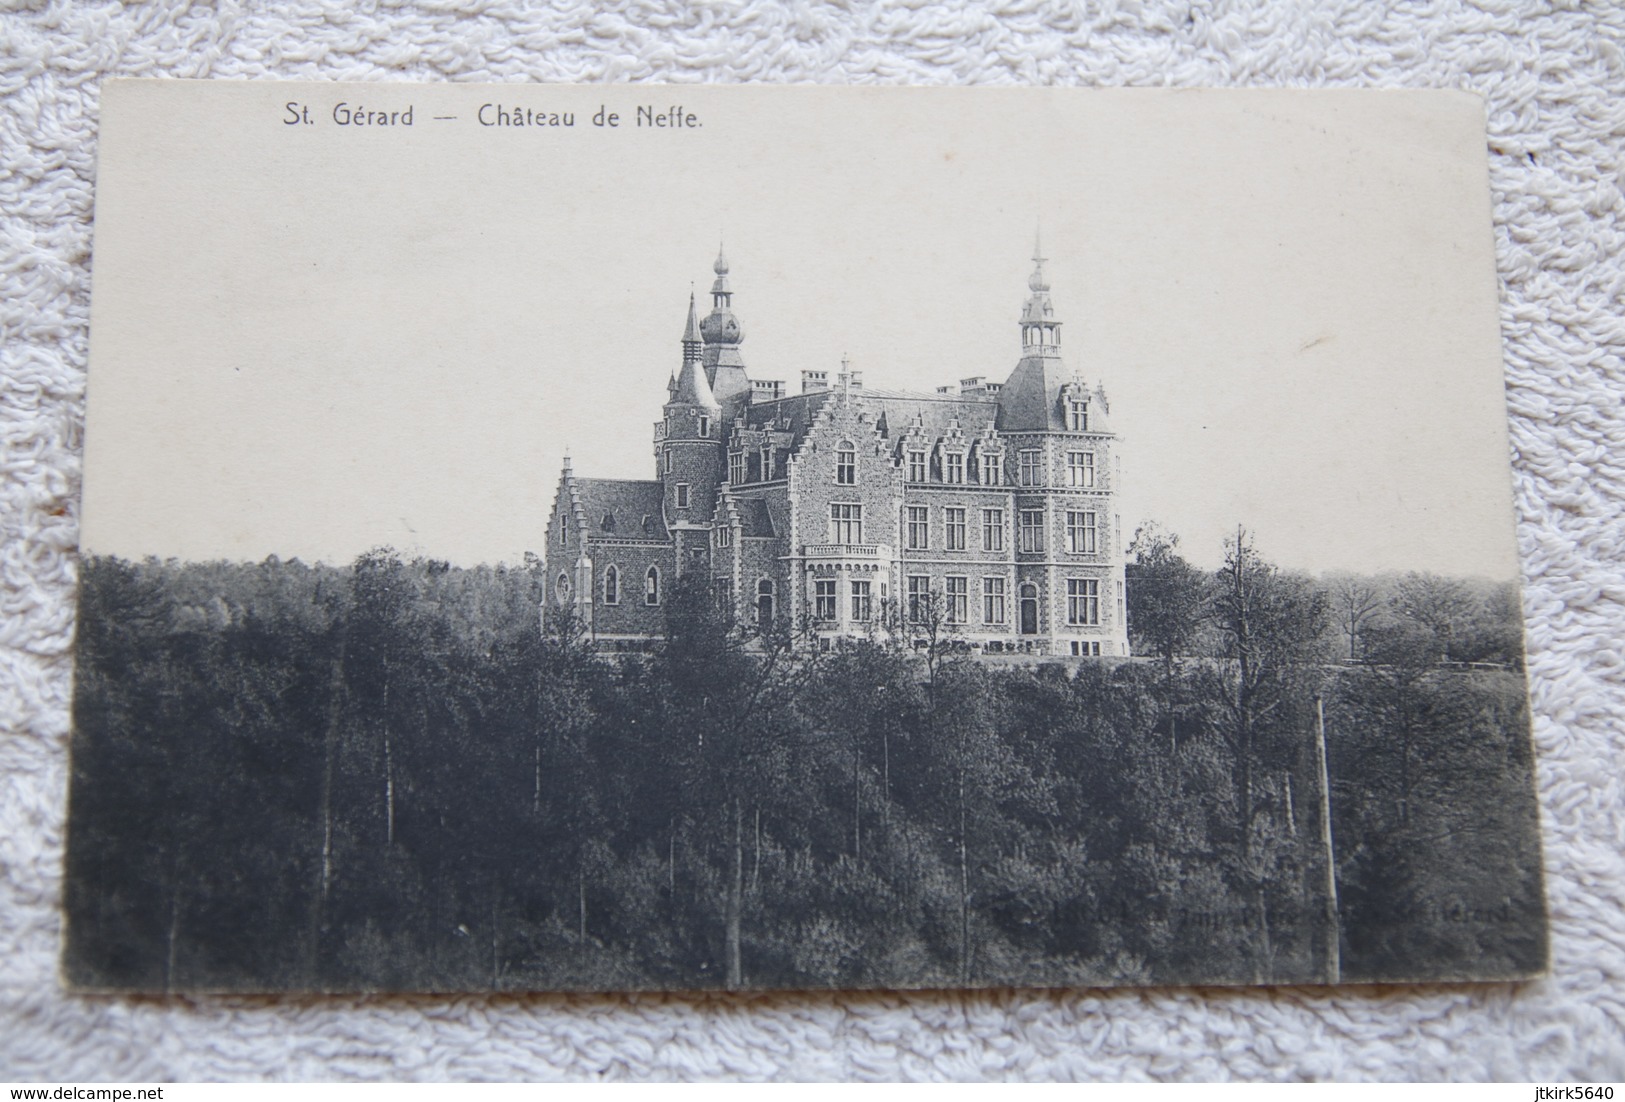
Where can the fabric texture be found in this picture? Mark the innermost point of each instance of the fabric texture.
(1552, 76)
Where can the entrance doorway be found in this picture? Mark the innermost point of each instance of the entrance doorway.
(1029, 609)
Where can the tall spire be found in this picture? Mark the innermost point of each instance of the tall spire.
(692, 386)
(693, 343)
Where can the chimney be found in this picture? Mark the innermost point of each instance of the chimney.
(812, 380)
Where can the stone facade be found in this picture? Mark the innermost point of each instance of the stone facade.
(987, 508)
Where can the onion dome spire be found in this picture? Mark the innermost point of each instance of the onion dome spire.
(1040, 328)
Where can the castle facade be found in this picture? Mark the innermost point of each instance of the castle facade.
(986, 512)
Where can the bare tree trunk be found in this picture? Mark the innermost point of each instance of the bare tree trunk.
(318, 914)
(964, 887)
(857, 804)
(496, 955)
(389, 766)
(885, 773)
(736, 887)
(756, 867)
(1333, 969)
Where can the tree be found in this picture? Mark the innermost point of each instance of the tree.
(1356, 601)
(730, 716)
(1167, 599)
(1270, 625)
(1441, 605)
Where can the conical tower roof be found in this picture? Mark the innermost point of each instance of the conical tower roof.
(692, 386)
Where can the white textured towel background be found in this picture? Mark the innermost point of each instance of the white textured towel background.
(1553, 77)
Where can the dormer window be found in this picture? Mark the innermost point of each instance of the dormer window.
(954, 467)
(648, 523)
(1077, 415)
(916, 466)
(992, 469)
(736, 468)
(846, 464)
(609, 522)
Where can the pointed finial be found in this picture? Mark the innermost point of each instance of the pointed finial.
(691, 331)
(721, 266)
(1036, 282)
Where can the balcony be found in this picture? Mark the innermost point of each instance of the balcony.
(846, 551)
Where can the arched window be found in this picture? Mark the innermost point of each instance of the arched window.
(764, 604)
(846, 463)
(651, 586)
(612, 586)
(561, 591)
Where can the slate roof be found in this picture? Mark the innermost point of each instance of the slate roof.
(625, 503)
(754, 517)
(899, 408)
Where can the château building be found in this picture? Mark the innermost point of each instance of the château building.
(990, 507)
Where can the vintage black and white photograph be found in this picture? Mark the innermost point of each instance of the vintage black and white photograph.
(629, 538)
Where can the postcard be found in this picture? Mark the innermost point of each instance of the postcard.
(641, 537)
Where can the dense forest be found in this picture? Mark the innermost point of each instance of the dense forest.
(385, 776)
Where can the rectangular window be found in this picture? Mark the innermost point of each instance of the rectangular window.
(1032, 531)
(955, 467)
(992, 529)
(846, 467)
(1080, 533)
(824, 599)
(861, 606)
(1119, 602)
(1077, 416)
(1080, 470)
(919, 598)
(919, 528)
(767, 464)
(682, 495)
(1032, 467)
(992, 475)
(992, 600)
(736, 468)
(845, 523)
(954, 529)
(958, 600)
(725, 537)
(916, 466)
(1082, 601)
(705, 426)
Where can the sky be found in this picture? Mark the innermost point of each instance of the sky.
(311, 339)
